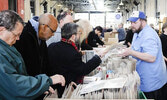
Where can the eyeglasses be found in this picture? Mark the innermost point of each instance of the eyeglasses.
(50, 28)
(16, 35)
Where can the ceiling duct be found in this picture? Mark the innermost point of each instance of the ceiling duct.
(136, 3)
(44, 3)
(127, 10)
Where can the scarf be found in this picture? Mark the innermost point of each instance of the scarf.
(70, 42)
(80, 79)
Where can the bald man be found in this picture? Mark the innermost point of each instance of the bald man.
(32, 45)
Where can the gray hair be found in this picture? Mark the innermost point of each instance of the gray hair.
(68, 30)
(8, 19)
(86, 28)
(164, 26)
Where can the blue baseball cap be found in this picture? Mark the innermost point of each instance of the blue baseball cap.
(137, 15)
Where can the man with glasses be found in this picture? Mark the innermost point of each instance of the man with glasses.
(63, 18)
(15, 83)
(32, 43)
(146, 49)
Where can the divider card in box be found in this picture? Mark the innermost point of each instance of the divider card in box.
(104, 84)
(88, 55)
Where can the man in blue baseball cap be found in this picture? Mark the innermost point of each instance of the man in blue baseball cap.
(146, 49)
(137, 15)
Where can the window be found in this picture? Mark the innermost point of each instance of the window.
(12, 5)
(45, 6)
(32, 6)
(54, 12)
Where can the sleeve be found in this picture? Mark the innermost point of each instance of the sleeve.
(99, 41)
(85, 46)
(163, 43)
(82, 68)
(118, 30)
(129, 37)
(19, 85)
(90, 40)
(150, 46)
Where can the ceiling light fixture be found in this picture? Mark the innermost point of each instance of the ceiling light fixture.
(116, 11)
(90, 1)
(118, 8)
(121, 4)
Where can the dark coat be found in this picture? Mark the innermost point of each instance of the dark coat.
(64, 59)
(85, 45)
(163, 38)
(34, 55)
(93, 39)
(129, 37)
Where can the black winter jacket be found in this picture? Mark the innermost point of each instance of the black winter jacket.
(93, 39)
(33, 53)
(64, 59)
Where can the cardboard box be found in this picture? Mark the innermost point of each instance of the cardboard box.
(112, 40)
(110, 35)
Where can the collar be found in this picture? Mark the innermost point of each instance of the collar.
(34, 22)
(70, 42)
(4, 43)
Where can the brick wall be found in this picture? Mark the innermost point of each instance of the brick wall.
(20, 8)
(3, 5)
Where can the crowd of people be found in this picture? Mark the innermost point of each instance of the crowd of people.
(46, 54)
(16, 82)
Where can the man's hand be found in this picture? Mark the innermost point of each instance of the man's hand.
(73, 85)
(82, 52)
(58, 79)
(101, 53)
(126, 51)
(51, 90)
(140, 55)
